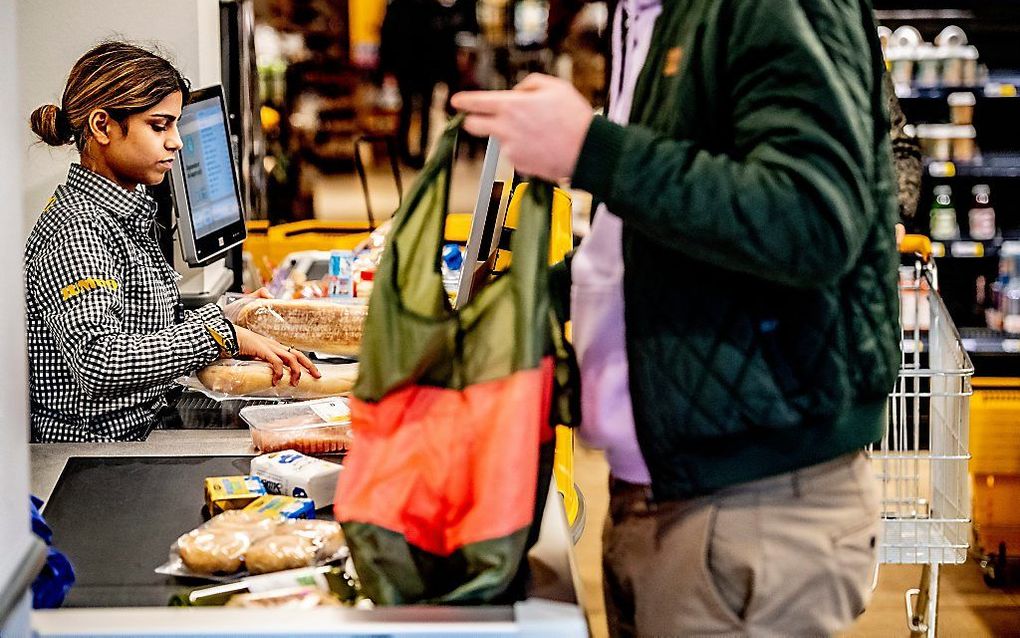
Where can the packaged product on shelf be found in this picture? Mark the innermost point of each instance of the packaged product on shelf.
(982, 214)
(311, 427)
(943, 215)
(276, 505)
(961, 108)
(326, 579)
(235, 379)
(224, 493)
(293, 474)
(329, 326)
(236, 543)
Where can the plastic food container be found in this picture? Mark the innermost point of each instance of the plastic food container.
(311, 427)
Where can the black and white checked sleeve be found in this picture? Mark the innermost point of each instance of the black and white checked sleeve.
(79, 287)
(212, 316)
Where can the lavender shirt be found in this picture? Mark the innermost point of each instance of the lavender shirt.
(597, 279)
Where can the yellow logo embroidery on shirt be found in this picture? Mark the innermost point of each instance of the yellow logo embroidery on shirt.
(87, 285)
(673, 58)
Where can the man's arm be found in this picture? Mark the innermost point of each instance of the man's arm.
(791, 202)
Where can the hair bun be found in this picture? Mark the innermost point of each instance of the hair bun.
(50, 123)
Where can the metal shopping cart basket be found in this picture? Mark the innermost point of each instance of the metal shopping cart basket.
(922, 460)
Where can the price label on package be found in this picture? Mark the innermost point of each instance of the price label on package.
(332, 410)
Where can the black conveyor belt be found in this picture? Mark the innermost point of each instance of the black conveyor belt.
(116, 517)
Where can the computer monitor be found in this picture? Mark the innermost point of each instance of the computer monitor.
(487, 221)
(204, 180)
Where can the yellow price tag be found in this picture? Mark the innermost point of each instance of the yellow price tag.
(942, 169)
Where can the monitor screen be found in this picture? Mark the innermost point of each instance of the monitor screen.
(205, 184)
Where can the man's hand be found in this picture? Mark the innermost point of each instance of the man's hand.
(541, 124)
(275, 354)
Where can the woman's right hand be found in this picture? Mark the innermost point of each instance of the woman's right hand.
(274, 353)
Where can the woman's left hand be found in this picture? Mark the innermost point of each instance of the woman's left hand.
(281, 357)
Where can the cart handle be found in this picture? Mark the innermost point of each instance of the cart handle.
(916, 245)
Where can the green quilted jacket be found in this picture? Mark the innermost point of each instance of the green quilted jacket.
(755, 187)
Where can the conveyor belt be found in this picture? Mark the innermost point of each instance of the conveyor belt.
(116, 517)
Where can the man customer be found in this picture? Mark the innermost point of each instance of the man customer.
(734, 307)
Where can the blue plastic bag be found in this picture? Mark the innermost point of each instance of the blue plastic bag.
(57, 576)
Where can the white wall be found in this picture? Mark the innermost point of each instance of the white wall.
(14, 530)
(53, 34)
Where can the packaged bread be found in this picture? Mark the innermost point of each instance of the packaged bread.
(219, 545)
(325, 326)
(245, 541)
(234, 378)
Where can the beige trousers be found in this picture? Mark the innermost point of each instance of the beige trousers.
(790, 555)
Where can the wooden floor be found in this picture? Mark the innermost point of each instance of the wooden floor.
(967, 606)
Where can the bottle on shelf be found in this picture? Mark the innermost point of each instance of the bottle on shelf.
(1009, 296)
(943, 215)
(340, 282)
(982, 213)
(451, 265)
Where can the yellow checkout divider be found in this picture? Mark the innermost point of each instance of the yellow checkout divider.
(561, 241)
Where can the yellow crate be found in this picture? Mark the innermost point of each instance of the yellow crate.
(987, 538)
(996, 499)
(995, 426)
(314, 234)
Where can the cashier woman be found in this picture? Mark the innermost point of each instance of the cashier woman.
(107, 334)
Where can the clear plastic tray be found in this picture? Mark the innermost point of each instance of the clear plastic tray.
(322, 426)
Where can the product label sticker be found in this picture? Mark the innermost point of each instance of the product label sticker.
(332, 411)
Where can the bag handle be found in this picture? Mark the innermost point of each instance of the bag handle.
(418, 234)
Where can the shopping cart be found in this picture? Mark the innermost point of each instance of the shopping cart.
(921, 461)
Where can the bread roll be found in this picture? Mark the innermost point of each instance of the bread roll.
(323, 326)
(328, 536)
(212, 551)
(255, 378)
(252, 524)
(279, 552)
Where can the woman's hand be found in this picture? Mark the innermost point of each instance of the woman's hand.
(275, 354)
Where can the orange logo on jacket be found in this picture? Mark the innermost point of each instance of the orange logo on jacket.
(673, 58)
(86, 285)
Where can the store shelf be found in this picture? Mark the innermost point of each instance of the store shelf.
(965, 249)
(989, 165)
(998, 86)
(985, 341)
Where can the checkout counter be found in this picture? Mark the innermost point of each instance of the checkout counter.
(117, 507)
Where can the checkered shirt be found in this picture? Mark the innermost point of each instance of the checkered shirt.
(105, 336)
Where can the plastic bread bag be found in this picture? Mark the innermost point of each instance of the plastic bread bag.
(327, 326)
(309, 427)
(237, 543)
(239, 379)
(215, 550)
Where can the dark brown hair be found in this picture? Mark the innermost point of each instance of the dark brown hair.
(120, 78)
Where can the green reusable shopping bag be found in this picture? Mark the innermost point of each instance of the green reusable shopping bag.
(441, 492)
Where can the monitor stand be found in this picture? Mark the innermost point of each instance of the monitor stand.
(205, 285)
